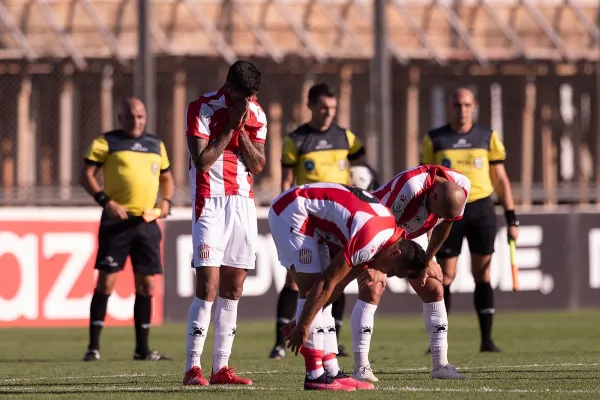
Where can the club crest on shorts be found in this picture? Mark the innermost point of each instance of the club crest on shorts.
(305, 256)
(203, 251)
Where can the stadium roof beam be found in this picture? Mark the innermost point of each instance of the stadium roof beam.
(421, 35)
(16, 33)
(343, 28)
(300, 31)
(65, 39)
(109, 38)
(591, 28)
(213, 34)
(398, 54)
(507, 31)
(459, 28)
(548, 31)
(274, 52)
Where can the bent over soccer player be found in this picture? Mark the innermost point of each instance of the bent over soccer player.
(426, 199)
(304, 220)
(226, 132)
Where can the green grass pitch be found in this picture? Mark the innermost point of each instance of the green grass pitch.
(546, 356)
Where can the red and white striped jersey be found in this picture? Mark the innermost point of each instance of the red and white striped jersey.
(206, 117)
(343, 216)
(406, 195)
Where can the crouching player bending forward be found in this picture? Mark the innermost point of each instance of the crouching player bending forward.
(304, 220)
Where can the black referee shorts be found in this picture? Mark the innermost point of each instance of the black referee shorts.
(133, 237)
(478, 225)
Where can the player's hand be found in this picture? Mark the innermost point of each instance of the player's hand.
(296, 339)
(115, 210)
(434, 271)
(512, 232)
(165, 209)
(369, 277)
(238, 115)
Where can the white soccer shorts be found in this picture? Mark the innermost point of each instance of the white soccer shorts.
(307, 254)
(225, 233)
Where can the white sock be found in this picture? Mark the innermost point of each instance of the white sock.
(225, 328)
(330, 345)
(315, 339)
(436, 324)
(361, 323)
(197, 329)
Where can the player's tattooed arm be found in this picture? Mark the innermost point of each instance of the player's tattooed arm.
(203, 154)
(438, 236)
(253, 153)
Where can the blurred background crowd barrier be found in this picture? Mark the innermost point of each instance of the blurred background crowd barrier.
(64, 64)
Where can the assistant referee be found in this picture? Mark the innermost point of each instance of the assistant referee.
(135, 166)
(476, 152)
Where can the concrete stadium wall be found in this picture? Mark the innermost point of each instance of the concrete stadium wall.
(47, 257)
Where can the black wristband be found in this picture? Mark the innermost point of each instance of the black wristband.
(511, 218)
(101, 198)
(168, 201)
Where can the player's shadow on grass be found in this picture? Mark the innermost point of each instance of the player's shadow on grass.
(79, 383)
(32, 360)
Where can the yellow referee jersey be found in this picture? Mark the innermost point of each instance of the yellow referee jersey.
(131, 168)
(321, 156)
(470, 154)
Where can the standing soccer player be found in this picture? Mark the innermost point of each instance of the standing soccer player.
(476, 152)
(135, 167)
(226, 131)
(318, 151)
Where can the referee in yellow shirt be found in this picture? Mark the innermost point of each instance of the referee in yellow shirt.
(318, 151)
(476, 152)
(135, 167)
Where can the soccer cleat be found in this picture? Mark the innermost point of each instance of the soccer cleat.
(364, 374)
(277, 353)
(91, 355)
(342, 352)
(446, 372)
(489, 347)
(194, 377)
(152, 355)
(227, 376)
(349, 381)
(325, 382)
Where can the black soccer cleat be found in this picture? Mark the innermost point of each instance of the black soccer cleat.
(91, 355)
(342, 351)
(277, 353)
(489, 347)
(152, 355)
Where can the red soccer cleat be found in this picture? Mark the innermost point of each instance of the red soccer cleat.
(349, 381)
(194, 377)
(325, 382)
(227, 376)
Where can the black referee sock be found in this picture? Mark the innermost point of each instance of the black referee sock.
(337, 311)
(447, 297)
(97, 315)
(142, 312)
(484, 304)
(286, 311)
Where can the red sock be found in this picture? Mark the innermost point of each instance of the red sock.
(328, 357)
(313, 360)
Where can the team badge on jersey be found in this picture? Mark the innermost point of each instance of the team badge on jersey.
(309, 165)
(305, 256)
(155, 168)
(446, 163)
(205, 111)
(363, 256)
(478, 163)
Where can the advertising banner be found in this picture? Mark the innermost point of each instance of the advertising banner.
(47, 274)
(558, 256)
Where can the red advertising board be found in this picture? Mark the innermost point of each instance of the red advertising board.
(47, 274)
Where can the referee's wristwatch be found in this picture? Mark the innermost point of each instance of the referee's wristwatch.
(511, 218)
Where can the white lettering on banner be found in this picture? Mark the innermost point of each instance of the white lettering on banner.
(80, 246)
(25, 302)
(594, 250)
(268, 269)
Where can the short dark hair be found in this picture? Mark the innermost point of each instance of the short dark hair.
(244, 76)
(413, 257)
(318, 90)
